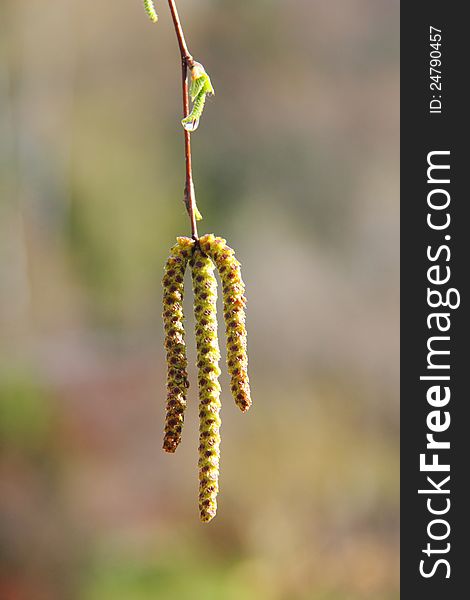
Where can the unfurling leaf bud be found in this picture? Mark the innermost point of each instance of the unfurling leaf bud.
(177, 377)
(200, 87)
(234, 315)
(208, 355)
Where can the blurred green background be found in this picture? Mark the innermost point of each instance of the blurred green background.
(296, 164)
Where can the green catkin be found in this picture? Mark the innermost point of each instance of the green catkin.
(208, 356)
(234, 315)
(177, 377)
(150, 10)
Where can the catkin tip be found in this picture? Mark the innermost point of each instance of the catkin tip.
(170, 443)
(150, 10)
(207, 516)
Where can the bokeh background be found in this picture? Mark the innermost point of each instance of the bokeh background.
(296, 164)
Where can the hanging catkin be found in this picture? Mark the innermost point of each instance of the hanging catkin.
(234, 315)
(177, 377)
(208, 355)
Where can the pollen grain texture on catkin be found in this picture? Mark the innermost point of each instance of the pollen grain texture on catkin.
(234, 315)
(177, 376)
(208, 356)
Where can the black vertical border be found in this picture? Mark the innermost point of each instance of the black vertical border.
(420, 134)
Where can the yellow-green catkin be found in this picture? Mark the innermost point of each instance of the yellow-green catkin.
(234, 315)
(177, 376)
(208, 356)
(150, 10)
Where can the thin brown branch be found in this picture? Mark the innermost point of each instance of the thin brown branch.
(186, 61)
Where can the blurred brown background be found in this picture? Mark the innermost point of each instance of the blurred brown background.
(296, 164)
